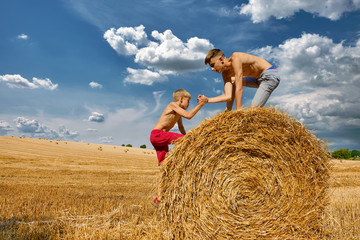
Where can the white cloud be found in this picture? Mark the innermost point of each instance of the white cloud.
(261, 10)
(157, 96)
(5, 127)
(144, 76)
(320, 81)
(169, 53)
(44, 83)
(17, 81)
(125, 40)
(29, 126)
(106, 139)
(217, 91)
(96, 117)
(218, 80)
(36, 129)
(23, 36)
(166, 55)
(95, 85)
(91, 130)
(68, 134)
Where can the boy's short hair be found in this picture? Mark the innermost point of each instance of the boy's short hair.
(213, 53)
(181, 93)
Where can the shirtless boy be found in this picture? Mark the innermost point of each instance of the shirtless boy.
(242, 69)
(160, 136)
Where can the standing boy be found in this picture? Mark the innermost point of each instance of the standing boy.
(160, 136)
(242, 69)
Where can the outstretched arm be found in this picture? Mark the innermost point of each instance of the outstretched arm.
(188, 115)
(226, 97)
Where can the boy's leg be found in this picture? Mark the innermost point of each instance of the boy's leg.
(268, 80)
(161, 152)
(251, 82)
(161, 140)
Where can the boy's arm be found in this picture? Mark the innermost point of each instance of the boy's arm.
(188, 115)
(237, 66)
(181, 126)
(226, 97)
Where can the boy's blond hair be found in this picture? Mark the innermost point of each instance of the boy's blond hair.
(181, 93)
(213, 53)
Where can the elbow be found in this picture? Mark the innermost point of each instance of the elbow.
(188, 117)
(228, 99)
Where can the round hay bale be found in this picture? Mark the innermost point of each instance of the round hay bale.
(247, 174)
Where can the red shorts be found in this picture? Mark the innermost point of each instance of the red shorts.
(161, 140)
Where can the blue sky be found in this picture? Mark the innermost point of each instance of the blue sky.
(103, 71)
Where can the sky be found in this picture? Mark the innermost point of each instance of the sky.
(103, 71)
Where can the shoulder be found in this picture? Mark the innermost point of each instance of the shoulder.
(238, 55)
(238, 58)
(171, 105)
(169, 108)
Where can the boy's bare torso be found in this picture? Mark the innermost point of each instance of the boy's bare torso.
(252, 66)
(167, 119)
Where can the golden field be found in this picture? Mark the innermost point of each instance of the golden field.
(69, 190)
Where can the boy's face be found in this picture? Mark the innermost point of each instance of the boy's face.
(185, 102)
(216, 64)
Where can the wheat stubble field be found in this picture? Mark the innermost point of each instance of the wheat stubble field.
(69, 190)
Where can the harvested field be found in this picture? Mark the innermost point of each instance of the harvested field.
(75, 191)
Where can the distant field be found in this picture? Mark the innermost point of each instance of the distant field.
(67, 190)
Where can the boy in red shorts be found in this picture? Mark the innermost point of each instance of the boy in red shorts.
(160, 136)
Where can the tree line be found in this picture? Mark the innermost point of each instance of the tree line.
(346, 154)
(129, 145)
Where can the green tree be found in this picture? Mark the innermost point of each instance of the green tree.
(143, 146)
(341, 154)
(129, 145)
(355, 153)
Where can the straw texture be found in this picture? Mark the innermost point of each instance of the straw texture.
(247, 174)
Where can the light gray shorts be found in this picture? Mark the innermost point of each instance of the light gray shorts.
(265, 83)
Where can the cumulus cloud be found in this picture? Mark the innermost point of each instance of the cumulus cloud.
(67, 134)
(320, 81)
(5, 127)
(261, 10)
(22, 36)
(125, 40)
(17, 81)
(144, 76)
(96, 117)
(95, 85)
(36, 129)
(29, 126)
(167, 54)
(171, 54)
